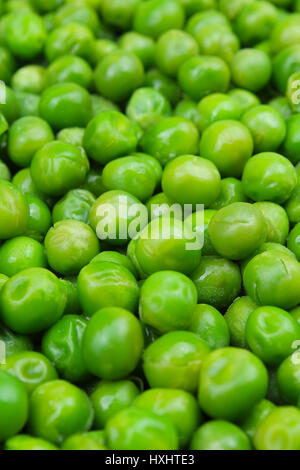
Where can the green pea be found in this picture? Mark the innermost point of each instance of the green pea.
(279, 430)
(170, 138)
(70, 245)
(236, 318)
(276, 220)
(58, 409)
(28, 103)
(174, 361)
(28, 310)
(218, 41)
(14, 211)
(142, 46)
(13, 405)
(93, 440)
(285, 63)
(231, 381)
(293, 241)
(25, 137)
(157, 16)
(118, 75)
(31, 368)
(255, 416)
(58, 167)
(8, 64)
(180, 407)
(220, 435)
(246, 99)
(25, 34)
(165, 85)
(271, 278)
(202, 19)
(75, 205)
(13, 343)
(93, 182)
(288, 378)
(30, 79)
(188, 110)
(255, 22)
(217, 107)
(5, 173)
(291, 143)
(109, 398)
(251, 69)
(231, 191)
(74, 39)
(137, 429)
(231, 8)
(72, 306)
(109, 135)
(229, 145)
(270, 334)
(100, 49)
(10, 108)
(167, 301)
(147, 106)
(70, 69)
(218, 281)
(194, 6)
(26, 442)
(39, 218)
(66, 105)
(168, 244)
(285, 33)
(202, 75)
(21, 253)
(267, 127)
(237, 230)
(270, 177)
(118, 14)
(282, 105)
(116, 334)
(107, 284)
(209, 324)
(62, 344)
(80, 14)
(191, 180)
(115, 257)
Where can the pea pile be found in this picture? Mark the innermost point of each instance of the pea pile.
(118, 330)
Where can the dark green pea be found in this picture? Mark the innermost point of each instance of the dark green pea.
(109, 398)
(93, 183)
(209, 324)
(62, 344)
(285, 63)
(188, 110)
(72, 306)
(288, 378)
(236, 318)
(119, 14)
(14, 343)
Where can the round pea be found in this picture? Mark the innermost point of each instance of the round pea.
(209, 324)
(251, 69)
(14, 211)
(13, 405)
(280, 430)
(220, 435)
(21, 253)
